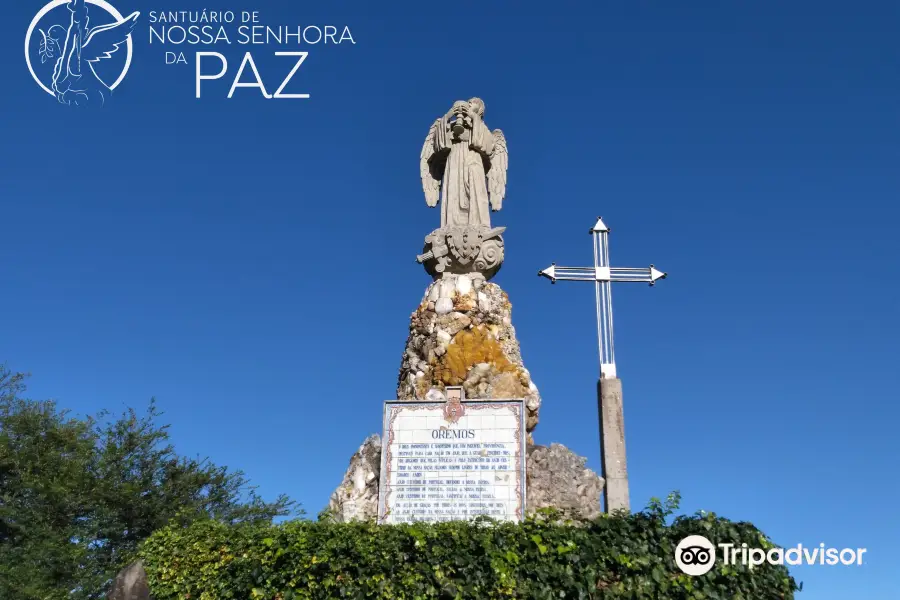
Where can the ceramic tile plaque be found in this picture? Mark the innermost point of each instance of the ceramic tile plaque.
(454, 460)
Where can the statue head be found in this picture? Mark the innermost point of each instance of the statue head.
(477, 105)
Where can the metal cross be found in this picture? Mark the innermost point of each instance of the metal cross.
(603, 275)
(609, 387)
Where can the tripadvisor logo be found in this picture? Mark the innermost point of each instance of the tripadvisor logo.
(79, 51)
(695, 555)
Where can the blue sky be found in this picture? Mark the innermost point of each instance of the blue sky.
(250, 262)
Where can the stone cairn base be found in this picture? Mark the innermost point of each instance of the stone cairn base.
(131, 584)
(462, 335)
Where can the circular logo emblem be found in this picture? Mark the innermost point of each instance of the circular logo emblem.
(79, 50)
(695, 555)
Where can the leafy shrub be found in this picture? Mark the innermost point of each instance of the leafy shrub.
(623, 556)
(78, 495)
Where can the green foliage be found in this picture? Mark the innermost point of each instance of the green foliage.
(78, 495)
(625, 556)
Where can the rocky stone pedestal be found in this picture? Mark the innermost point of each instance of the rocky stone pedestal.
(461, 334)
(356, 499)
(557, 477)
(131, 584)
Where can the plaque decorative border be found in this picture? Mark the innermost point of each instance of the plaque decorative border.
(393, 408)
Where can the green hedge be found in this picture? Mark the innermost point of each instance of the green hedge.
(613, 557)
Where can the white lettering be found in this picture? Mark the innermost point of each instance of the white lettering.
(302, 56)
(757, 557)
(248, 58)
(346, 34)
(810, 558)
(200, 77)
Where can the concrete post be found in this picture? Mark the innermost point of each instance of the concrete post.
(612, 444)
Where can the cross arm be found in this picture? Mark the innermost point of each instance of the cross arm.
(626, 274)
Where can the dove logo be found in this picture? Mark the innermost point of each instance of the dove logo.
(79, 51)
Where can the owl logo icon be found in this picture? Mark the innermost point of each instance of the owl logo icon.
(79, 51)
(695, 555)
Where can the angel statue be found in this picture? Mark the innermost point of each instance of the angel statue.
(74, 79)
(463, 167)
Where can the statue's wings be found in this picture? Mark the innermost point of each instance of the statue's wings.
(103, 40)
(496, 175)
(432, 171)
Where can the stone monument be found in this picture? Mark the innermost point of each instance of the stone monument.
(461, 334)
